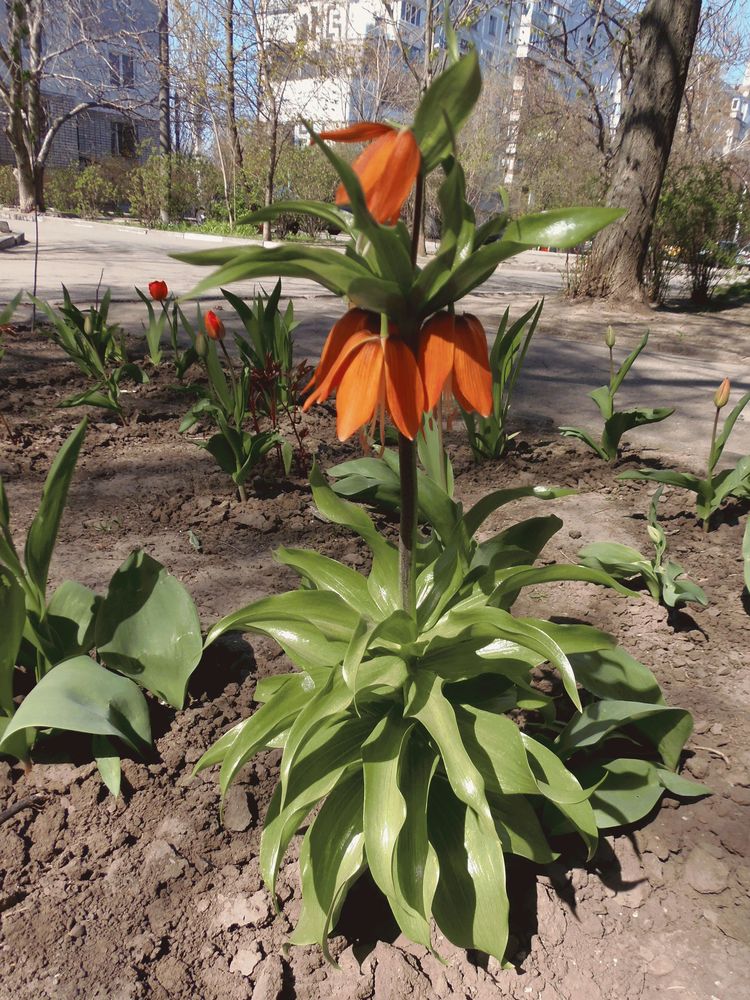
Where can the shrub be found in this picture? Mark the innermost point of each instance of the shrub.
(8, 187)
(195, 183)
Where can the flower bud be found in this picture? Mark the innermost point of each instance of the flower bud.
(158, 290)
(214, 326)
(88, 325)
(201, 345)
(609, 337)
(655, 534)
(721, 396)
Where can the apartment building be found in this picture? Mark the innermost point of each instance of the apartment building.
(98, 52)
(355, 52)
(738, 127)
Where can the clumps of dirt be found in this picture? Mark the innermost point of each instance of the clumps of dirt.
(150, 896)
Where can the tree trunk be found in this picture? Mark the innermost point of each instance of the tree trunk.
(271, 175)
(663, 49)
(165, 129)
(231, 90)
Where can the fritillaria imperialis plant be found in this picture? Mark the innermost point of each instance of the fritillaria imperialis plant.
(715, 487)
(393, 720)
(616, 422)
(144, 632)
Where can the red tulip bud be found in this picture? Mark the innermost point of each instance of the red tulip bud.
(214, 326)
(721, 396)
(158, 290)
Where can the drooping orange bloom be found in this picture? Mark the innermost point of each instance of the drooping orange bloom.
(372, 375)
(158, 290)
(453, 359)
(214, 326)
(387, 168)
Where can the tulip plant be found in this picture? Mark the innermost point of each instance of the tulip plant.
(616, 422)
(144, 631)
(715, 487)
(158, 291)
(664, 579)
(393, 720)
(97, 348)
(488, 436)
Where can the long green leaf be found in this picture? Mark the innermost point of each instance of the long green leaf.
(445, 107)
(331, 858)
(470, 904)
(13, 618)
(40, 540)
(328, 574)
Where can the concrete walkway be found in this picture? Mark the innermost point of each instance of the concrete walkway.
(557, 375)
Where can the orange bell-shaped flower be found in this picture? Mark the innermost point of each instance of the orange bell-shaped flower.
(453, 359)
(373, 374)
(387, 168)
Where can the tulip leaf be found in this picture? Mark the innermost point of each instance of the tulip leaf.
(470, 904)
(148, 628)
(82, 696)
(71, 621)
(108, 763)
(40, 540)
(13, 618)
(445, 107)
(331, 858)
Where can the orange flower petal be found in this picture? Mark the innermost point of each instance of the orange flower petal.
(436, 355)
(338, 369)
(386, 198)
(359, 132)
(472, 378)
(369, 166)
(341, 331)
(404, 391)
(359, 390)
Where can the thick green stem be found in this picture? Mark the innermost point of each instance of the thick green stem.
(611, 368)
(407, 536)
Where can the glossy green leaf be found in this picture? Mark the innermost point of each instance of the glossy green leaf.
(334, 271)
(519, 829)
(331, 858)
(333, 749)
(317, 209)
(108, 763)
(560, 228)
(235, 748)
(475, 518)
(626, 791)
(81, 696)
(615, 674)
(13, 618)
(41, 537)
(470, 904)
(287, 618)
(328, 574)
(727, 429)
(601, 718)
(678, 784)
(148, 628)
(494, 744)
(518, 577)
(445, 107)
(415, 868)
(384, 803)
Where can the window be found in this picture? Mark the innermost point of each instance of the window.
(124, 139)
(121, 70)
(735, 104)
(492, 25)
(411, 13)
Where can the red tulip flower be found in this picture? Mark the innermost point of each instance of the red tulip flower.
(453, 360)
(214, 326)
(387, 168)
(158, 290)
(373, 374)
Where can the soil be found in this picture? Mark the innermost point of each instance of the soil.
(149, 896)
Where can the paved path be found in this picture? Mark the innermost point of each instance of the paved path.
(556, 378)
